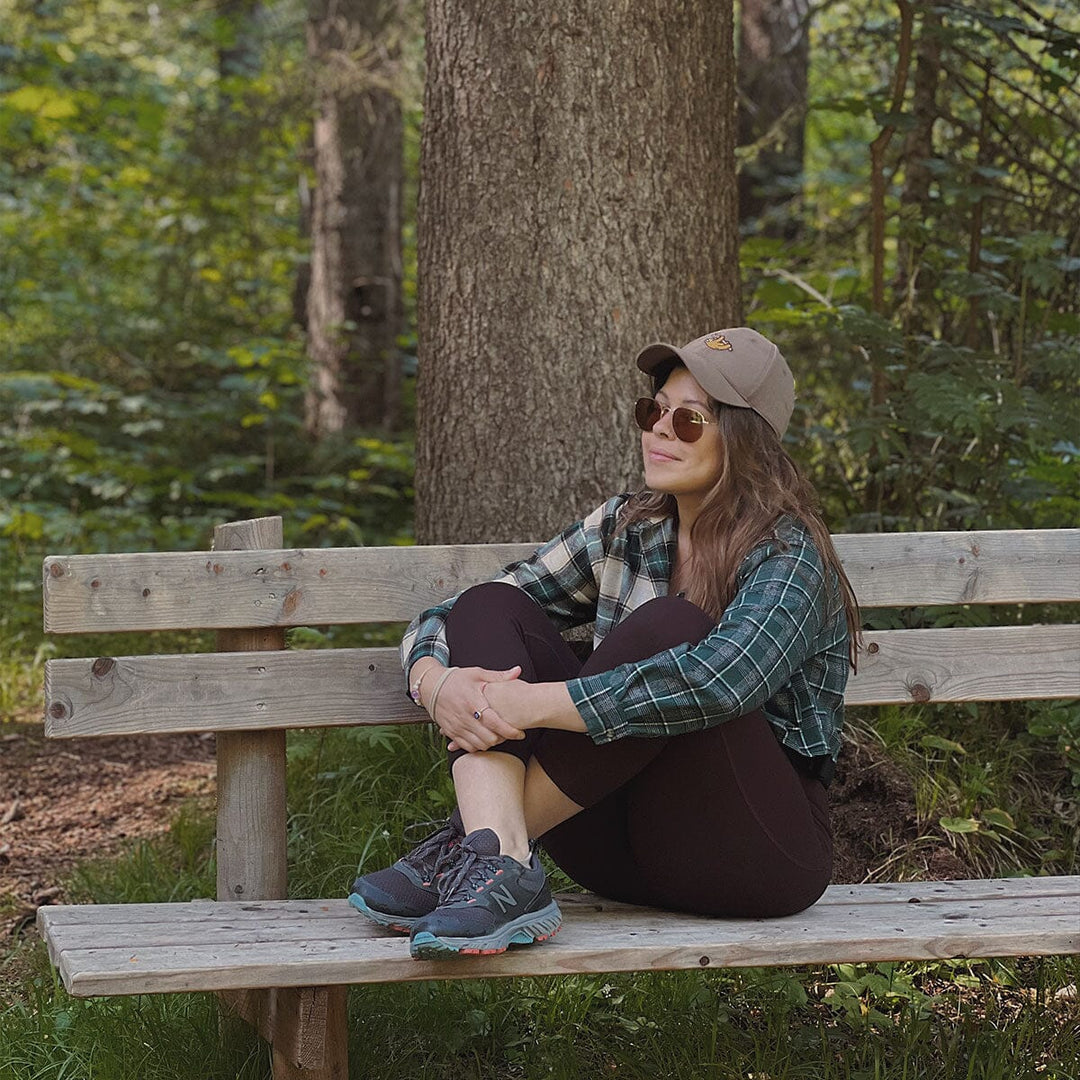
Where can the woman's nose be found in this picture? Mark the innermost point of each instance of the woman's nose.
(663, 426)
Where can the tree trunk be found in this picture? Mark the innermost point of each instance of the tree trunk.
(354, 307)
(915, 226)
(238, 48)
(577, 202)
(774, 54)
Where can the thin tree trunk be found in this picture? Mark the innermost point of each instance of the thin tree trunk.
(877, 182)
(577, 202)
(354, 306)
(911, 278)
(983, 155)
(238, 50)
(774, 55)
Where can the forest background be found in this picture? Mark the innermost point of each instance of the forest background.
(909, 230)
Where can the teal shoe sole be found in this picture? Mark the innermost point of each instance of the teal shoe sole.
(402, 923)
(526, 929)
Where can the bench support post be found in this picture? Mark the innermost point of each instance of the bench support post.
(306, 1026)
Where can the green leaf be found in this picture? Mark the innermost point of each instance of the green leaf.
(959, 825)
(939, 742)
(999, 818)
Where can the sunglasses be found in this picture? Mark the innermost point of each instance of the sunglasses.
(688, 424)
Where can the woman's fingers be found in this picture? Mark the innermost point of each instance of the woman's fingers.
(496, 724)
(472, 734)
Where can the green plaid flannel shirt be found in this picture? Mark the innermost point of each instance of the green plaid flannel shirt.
(781, 645)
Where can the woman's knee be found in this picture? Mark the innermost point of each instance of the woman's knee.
(659, 624)
(487, 597)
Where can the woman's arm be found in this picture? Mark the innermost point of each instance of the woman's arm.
(774, 623)
(532, 705)
(561, 576)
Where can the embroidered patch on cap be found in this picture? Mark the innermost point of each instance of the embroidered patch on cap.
(718, 341)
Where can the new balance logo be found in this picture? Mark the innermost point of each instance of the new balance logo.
(504, 897)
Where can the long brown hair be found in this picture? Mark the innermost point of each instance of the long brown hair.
(758, 483)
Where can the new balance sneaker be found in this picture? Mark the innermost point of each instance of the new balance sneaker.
(400, 894)
(487, 902)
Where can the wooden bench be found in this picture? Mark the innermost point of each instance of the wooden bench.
(284, 965)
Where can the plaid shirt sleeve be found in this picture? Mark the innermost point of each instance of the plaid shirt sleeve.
(765, 635)
(561, 577)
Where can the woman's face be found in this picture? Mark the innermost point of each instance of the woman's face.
(679, 468)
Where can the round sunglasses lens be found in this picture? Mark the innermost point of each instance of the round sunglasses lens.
(686, 426)
(646, 413)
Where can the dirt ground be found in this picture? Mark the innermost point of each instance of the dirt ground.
(64, 801)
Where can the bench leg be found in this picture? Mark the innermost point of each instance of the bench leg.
(307, 1028)
(311, 1033)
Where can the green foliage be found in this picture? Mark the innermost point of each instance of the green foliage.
(996, 781)
(151, 375)
(955, 404)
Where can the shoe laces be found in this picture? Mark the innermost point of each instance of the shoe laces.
(471, 871)
(431, 856)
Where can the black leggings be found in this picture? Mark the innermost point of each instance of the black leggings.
(716, 822)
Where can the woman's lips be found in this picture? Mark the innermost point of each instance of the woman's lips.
(659, 455)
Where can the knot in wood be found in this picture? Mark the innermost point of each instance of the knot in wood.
(95, 584)
(873, 647)
(58, 710)
(704, 961)
(919, 692)
(56, 570)
(102, 666)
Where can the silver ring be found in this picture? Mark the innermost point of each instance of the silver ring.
(480, 712)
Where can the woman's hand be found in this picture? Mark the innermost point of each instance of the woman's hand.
(523, 705)
(461, 697)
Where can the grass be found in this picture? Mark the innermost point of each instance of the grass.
(1003, 797)
(352, 793)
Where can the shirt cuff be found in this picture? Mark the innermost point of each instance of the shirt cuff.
(594, 698)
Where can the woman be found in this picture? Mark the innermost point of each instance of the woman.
(683, 765)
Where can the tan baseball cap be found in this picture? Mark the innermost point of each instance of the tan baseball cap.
(738, 367)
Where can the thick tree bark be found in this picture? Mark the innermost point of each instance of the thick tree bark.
(774, 54)
(577, 202)
(354, 308)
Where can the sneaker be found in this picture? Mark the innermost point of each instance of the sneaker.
(400, 894)
(487, 902)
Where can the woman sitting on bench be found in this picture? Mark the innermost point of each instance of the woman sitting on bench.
(684, 764)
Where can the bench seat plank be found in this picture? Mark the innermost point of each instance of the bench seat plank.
(317, 586)
(218, 929)
(333, 687)
(224, 952)
(920, 892)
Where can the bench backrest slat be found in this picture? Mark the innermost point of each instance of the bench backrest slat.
(317, 586)
(315, 688)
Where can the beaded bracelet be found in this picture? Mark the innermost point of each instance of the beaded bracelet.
(414, 690)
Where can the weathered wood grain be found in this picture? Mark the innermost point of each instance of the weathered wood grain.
(591, 941)
(216, 929)
(325, 688)
(316, 586)
(65, 916)
(251, 816)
